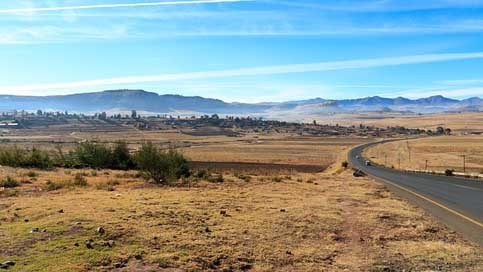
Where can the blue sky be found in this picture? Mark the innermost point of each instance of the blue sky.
(248, 51)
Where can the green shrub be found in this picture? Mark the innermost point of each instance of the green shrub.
(38, 159)
(93, 155)
(31, 174)
(16, 157)
(160, 166)
(449, 172)
(245, 178)
(277, 179)
(9, 182)
(53, 186)
(311, 180)
(216, 178)
(121, 158)
(345, 164)
(108, 186)
(157, 165)
(202, 174)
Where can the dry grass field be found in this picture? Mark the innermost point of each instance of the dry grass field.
(444, 152)
(294, 150)
(302, 222)
(256, 220)
(280, 148)
(456, 121)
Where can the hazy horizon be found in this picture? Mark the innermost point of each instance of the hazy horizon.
(216, 98)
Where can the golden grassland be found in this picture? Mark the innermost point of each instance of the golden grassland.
(277, 148)
(466, 121)
(253, 221)
(442, 152)
(306, 150)
(292, 223)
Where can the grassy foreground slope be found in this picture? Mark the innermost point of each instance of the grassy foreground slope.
(298, 222)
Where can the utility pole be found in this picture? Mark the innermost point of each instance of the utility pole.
(464, 163)
(399, 160)
(409, 149)
(385, 160)
(426, 166)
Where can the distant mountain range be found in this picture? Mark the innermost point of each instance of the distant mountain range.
(124, 100)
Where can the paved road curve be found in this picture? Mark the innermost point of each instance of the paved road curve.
(457, 202)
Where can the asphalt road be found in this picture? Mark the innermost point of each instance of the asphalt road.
(457, 202)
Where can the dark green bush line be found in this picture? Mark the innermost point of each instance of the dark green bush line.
(155, 164)
(16, 157)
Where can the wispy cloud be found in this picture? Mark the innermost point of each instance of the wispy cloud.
(380, 6)
(255, 71)
(121, 5)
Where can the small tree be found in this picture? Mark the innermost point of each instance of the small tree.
(161, 166)
(121, 157)
(439, 130)
(38, 159)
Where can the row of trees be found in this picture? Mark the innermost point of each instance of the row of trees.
(158, 165)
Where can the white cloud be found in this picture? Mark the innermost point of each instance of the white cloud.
(121, 5)
(58, 34)
(256, 71)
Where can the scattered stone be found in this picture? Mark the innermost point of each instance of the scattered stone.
(283, 210)
(76, 244)
(109, 243)
(78, 223)
(384, 216)
(358, 173)
(100, 230)
(7, 264)
(61, 211)
(223, 212)
(26, 220)
(207, 229)
(245, 266)
(289, 252)
(44, 230)
(88, 244)
(34, 230)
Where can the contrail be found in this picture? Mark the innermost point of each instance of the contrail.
(254, 71)
(103, 6)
